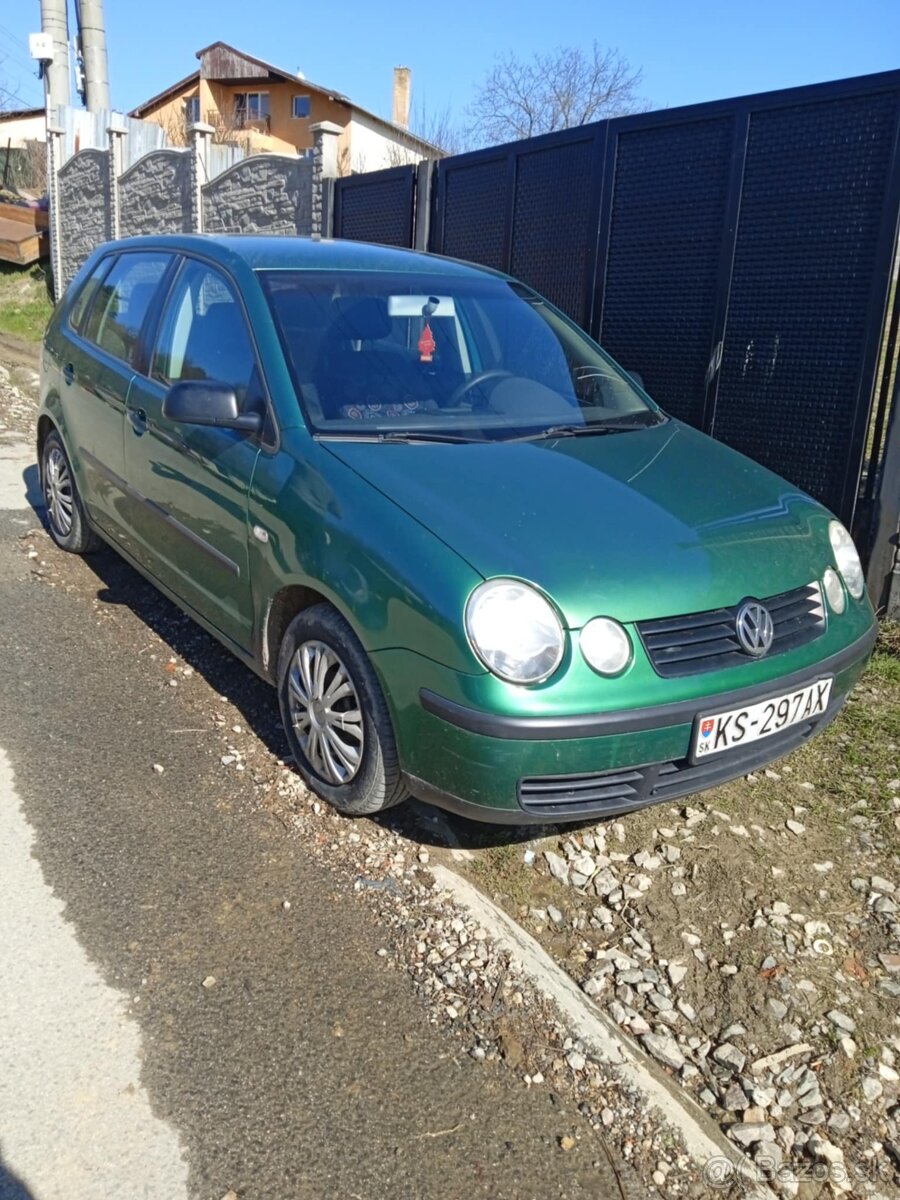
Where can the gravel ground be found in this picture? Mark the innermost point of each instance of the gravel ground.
(748, 938)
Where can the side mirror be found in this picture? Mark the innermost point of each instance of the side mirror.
(202, 402)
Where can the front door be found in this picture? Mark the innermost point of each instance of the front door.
(190, 483)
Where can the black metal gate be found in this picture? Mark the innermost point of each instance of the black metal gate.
(376, 207)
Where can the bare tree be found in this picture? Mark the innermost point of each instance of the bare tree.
(561, 88)
(435, 127)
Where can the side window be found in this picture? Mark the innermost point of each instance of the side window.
(203, 334)
(87, 291)
(122, 301)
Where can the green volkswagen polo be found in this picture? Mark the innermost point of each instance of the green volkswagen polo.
(477, 562)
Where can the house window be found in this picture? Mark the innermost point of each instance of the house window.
(192, 110)
(251, 106)
(301, 106)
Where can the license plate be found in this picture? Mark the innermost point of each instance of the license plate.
(739, 726)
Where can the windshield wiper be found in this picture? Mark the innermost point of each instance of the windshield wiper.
(595, 428)
(399, 435)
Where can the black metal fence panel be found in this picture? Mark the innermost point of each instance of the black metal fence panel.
(376, 207)
(793, 391)
(473, 199)
(659, 291)
(557, 258)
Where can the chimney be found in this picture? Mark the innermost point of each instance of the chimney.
(400, 113)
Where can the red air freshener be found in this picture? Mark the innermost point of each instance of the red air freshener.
(427, 344)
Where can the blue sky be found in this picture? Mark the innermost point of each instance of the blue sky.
(689, 51)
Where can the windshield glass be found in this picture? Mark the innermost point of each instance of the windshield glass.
(443, 357)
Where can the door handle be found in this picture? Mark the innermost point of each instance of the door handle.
(69, 373)
(138, 419)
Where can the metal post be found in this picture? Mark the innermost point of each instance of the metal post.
(56, 73)
(92, 39)
(422, 229)
(883, 575)
(54, 152)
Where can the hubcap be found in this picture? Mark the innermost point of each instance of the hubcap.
(58, 491)
(325, 713)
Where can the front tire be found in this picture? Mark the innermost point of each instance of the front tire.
(335, 715)
(66, 517)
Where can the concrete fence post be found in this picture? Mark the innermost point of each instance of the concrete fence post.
(54, 154)
(201, 136)
(325, 167)
(115, 134)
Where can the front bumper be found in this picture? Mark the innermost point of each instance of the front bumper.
(524, 770)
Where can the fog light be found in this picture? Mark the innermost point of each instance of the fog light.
(606, 646)
(834, 590)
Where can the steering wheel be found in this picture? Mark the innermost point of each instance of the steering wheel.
(481, 377)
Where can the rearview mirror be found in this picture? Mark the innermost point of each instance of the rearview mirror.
(205, 402)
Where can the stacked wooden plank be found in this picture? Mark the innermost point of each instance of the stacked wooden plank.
(23, 234)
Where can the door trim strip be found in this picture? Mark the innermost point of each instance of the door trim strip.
(160, 512)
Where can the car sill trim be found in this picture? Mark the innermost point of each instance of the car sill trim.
(633, 720)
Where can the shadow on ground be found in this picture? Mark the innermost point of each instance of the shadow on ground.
(11, 1187)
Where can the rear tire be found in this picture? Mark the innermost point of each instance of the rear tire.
(336, 717)
(69, 526)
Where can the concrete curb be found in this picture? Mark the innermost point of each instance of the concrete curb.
(720, 1159)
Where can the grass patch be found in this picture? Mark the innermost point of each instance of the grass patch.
(25, 307)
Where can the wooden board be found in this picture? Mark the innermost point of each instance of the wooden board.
(35, 217)
(21, 244)
(23, 237)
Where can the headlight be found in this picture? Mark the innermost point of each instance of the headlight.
(606, 646)
(847, 559)
(834, 590)
(514, 631)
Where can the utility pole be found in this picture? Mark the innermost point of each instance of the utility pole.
(92, 42)
(54, 23)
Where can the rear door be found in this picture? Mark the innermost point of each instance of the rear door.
(96, 354)
(191, 483)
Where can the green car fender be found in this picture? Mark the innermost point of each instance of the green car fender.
(318, 529)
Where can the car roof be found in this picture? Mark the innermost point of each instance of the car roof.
(277, 252)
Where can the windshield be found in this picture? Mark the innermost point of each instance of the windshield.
(443, 357)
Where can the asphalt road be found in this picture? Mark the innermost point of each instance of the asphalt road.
(308, 1068)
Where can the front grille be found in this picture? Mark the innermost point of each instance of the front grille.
(707, 641)
(608, 793)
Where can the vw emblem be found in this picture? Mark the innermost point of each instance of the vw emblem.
(754, 628)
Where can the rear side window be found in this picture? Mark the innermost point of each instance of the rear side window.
(122, 301)
(87, 291)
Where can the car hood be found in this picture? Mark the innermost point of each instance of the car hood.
(632, 525)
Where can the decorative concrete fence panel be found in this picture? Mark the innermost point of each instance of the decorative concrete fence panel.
(101, 195)
(84, 204)
(155, 194)
(266, 193)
